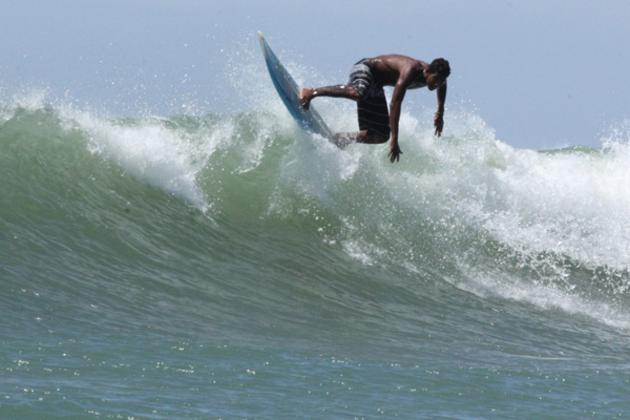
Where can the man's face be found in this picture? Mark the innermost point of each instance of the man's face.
(434, 80)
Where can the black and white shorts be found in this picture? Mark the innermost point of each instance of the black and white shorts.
(372, 106)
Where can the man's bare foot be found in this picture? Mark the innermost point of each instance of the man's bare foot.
(306, 95)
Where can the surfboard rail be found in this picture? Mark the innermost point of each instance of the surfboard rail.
(289, 92)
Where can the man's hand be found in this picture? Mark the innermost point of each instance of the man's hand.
(394, 152)
(438, 123)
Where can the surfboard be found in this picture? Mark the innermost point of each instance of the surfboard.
(289, 92)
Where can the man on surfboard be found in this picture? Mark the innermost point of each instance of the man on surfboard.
(367, 78)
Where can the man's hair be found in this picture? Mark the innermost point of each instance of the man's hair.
(440, 66)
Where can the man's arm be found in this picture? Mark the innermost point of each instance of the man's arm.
(394, 116)
(438, 120)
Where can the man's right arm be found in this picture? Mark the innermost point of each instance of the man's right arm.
(438, 120)
(394, 118)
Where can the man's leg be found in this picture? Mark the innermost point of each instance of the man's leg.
(362, 136)
(338, 91)
(373, 118)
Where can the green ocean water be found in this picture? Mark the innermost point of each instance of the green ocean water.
(231, 266)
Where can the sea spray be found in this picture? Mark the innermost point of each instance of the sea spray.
(184, 253)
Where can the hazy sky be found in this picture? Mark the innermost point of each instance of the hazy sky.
(542, 73)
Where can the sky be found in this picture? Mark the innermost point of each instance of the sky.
(541, 73)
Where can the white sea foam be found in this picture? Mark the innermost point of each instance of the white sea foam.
(573, 204)
(167, 158)
(545, 296)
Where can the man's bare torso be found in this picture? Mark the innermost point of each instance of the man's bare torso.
(387, 69)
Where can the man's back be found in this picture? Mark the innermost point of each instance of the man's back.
(388, 68)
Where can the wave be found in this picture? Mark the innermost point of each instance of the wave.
(544, 228)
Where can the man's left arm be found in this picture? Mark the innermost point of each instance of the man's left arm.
(438, 120)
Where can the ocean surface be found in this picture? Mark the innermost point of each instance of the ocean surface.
(207, 265)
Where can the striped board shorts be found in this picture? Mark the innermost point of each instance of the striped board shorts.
(372, 106)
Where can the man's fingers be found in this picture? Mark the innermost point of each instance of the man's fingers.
(394, 155)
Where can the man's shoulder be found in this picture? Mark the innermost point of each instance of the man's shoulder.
(400, 61)
(394, 57)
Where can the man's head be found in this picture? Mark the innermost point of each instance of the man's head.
(435, 75)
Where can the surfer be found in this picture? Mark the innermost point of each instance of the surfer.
(365, 86)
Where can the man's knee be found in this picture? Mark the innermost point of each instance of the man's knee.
(353, 92)
(376, 137)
